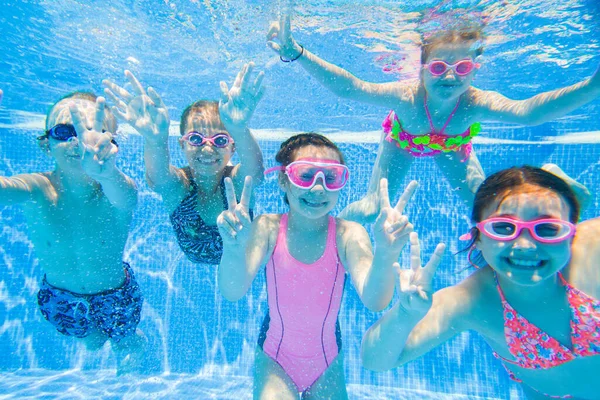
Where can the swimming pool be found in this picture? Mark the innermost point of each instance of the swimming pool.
(200, 345)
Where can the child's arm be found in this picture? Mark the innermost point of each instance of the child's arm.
(418, 322)
(21, 188)
(390, 95)
(373, 274)
(146, 112)
(540, 108)
(246, 244)
(99, 156)
(236, 108)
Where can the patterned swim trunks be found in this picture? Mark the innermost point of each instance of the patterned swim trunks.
(115, 312)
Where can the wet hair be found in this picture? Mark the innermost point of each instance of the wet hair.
(209, 107)
(109, 117)
(288, 149)
(500, 185)
(452, 36)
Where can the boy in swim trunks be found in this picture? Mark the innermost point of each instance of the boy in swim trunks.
(78, 218)
(436, 116)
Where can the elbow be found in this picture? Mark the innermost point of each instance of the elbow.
(230, 294)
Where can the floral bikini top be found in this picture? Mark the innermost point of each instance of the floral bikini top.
(535, 349)
(432, 143)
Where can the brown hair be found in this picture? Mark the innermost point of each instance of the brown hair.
(85, 95)
(452, 36)
(512, 181)
(208, 107)
(287, 150)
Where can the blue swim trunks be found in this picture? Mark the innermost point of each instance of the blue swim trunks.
(115, 312)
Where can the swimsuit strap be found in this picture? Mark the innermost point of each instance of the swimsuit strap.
(429, 115)
(499, 288)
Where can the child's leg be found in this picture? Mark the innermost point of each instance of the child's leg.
(581, 192)
(270, 380)
(464, 176)
(391, 163)
(130, 351)
(94, 341)
(330, 385)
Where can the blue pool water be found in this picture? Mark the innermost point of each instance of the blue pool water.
(200, 345)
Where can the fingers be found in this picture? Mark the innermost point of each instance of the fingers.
(137, 86)
(406, 196)
(415, 252)
(224, 92)
(120, 103)
(257, 87)
(118, 90)
(384, 197)
(273, 31)
(230, 193)
(156, 99)
(429, 270)
(79, 120)
(245, 82)
(227, 223)
(99, 114)
(246, 193)
(240, 76)
(119, 114)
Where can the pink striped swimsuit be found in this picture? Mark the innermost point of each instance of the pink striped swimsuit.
(300, 332)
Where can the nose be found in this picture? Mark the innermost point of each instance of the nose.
(319, 186)
(524, 241)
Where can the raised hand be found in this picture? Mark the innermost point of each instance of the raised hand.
(238, 103)
(415, 289)
(391, 226)
(234, 223)
(280, 39)
(97, 149)
(145, 111)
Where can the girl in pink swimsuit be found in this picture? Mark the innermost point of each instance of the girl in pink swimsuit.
(435, 116)
(307, 254)
(533, 298)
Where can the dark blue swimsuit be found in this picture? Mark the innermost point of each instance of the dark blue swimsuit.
(200, 242)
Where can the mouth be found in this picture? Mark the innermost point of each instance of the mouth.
(527, 265)
(207, 161)
(314, 204)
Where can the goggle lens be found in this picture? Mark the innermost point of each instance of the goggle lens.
(197, 139)
(62, 132)
(461, 68)
(546, 230)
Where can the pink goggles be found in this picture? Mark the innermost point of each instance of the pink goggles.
(305, 172)
(543, 230)
(219, 140)
(461, 68)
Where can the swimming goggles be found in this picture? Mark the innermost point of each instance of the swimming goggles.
(305, 172)
(62, 132)
(546, 230)
(219, 140)
(66, 132)
(460, 68)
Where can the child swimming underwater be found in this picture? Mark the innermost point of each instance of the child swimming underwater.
(78, 220)
(307, 254)
(436, 116)
(534, 298)
(210, 134)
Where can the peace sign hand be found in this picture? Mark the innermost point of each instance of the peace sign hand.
(234, 223)
(391, 226)
(280, 39)
(238, 103)
(416, 290)
(146, 112)
(97, 149)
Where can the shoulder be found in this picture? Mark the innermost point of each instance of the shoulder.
(584, 267)
(346, 230)
(469, 300)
